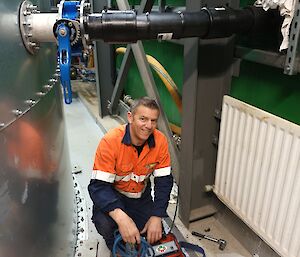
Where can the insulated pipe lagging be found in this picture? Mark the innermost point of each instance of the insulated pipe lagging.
(128, 27)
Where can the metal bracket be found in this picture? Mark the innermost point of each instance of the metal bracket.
(291, 66)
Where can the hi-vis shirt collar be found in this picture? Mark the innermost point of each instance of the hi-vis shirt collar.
(127, 140)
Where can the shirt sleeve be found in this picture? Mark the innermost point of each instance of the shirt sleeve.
(163, 181)
(101, 188)
(164, 163)
(105, 162)
(104, 196)
(162, 189)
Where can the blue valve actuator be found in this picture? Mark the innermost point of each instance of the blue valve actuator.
(69, 12)
(64, 56)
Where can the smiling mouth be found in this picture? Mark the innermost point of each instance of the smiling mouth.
(146, 132)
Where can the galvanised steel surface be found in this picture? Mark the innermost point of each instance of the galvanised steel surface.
(36, 188)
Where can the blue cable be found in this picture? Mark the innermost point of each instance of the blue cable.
(120, 248)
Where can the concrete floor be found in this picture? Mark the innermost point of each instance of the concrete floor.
(83, 136)
(84, 130)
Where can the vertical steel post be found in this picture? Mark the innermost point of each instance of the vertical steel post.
(207, 77)
(104, 67)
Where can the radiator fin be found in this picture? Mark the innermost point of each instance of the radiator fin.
(258, 173)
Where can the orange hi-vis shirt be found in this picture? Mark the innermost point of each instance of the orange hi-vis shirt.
(117, 161)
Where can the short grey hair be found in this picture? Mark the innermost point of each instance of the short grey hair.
(144, 101)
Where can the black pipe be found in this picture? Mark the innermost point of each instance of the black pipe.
(128, 27)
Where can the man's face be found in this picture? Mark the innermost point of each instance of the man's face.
(142, 124)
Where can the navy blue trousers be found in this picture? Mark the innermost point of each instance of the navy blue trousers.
(138, 209)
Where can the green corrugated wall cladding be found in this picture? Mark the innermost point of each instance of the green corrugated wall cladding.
(269, 89)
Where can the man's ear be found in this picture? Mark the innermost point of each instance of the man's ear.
(129, 117)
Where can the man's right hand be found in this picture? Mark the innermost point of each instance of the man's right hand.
(127, 227)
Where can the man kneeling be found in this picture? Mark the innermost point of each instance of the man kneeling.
(120, 187)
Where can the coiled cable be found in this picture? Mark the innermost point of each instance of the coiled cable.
(122, 249)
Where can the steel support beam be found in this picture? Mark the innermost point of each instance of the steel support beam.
(122, 75)
(104, 68)
(150, 87)
(207, 77)
(146, 6)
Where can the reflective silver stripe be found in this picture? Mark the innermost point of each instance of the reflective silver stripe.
(133, 177)
(140, 178)
(103, 176)
(130, 194)
(162, 172)
(123, 178)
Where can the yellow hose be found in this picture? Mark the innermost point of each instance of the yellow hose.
(163, 75)
(175, 128)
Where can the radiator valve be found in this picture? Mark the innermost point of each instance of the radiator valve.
(208, 188)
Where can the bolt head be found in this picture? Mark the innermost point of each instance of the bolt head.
(40, 94)
(87, 5)
(17, 112)
(30, 102)
(62, 32)
(48, 87)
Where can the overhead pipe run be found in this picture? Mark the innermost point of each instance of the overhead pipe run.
(74, 21)
(128, 26)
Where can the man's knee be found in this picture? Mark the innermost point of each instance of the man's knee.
(105, 226)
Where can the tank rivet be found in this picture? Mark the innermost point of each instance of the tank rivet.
(48, 87)
(17, 112)
(40, 94)
(30, 102)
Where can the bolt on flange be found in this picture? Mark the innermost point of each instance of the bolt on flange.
(26, 10)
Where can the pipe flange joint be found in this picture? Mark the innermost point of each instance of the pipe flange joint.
(27, 9)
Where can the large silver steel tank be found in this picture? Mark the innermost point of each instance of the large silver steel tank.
(36, 188)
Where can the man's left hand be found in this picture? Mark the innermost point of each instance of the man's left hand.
(153, 228)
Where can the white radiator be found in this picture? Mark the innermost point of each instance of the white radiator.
(258, 173)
